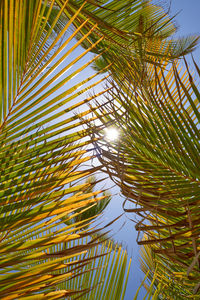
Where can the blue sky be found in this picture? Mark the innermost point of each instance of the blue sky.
(188, 19)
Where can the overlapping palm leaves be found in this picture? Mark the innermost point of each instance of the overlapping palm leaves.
(40, 154)
(40, 150)
(150, 41)
(107, 274)
(156, 164)
(163, 279)
(96, 208)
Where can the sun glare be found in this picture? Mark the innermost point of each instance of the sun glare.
(112, 134)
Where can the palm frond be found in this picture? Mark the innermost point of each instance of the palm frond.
(167, 280)
(109, 276)
(155, 162)
(94, 209)
(43, 145)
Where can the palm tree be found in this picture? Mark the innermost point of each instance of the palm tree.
(43, 144)
(155, 163)
(40, 154)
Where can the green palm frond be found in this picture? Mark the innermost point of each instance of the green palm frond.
(151, 44)
(156, 162)
(94, 209)
(109, 272)
(45, 57)
(166, 280)
(43, 145)
(145, 22)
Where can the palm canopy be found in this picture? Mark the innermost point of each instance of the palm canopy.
(40, 154)
(150, 42)
(156, 163)
(41, 59)
(136, 32)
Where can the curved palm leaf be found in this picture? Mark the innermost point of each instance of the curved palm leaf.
(150, 42)
(109, 276)
(94, 209)
(42, 144)
(164, 279)
(138, 33)
(42, 140)
(156, 163)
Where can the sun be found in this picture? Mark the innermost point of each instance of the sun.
(111, 134)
